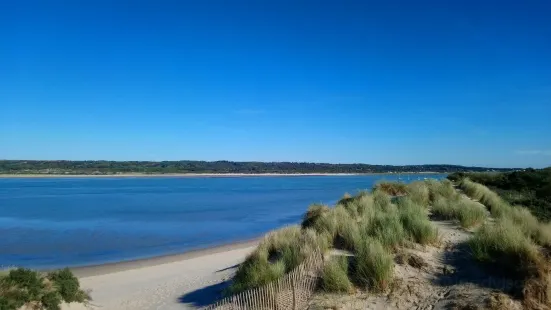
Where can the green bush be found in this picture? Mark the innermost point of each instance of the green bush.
(27, 287)
(334, 277)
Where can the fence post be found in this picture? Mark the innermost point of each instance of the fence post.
(294, 293)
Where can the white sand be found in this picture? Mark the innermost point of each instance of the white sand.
(184, 284)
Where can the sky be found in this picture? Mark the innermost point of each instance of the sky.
(376, 82)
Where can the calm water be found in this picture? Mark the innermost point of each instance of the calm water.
(48, 223)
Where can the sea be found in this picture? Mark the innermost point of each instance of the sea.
(56, 222)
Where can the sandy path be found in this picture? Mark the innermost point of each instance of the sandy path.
(185, 284)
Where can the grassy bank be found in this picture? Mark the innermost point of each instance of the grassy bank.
(515, 245)
(373, 228)
(530, 188)
(370, 226)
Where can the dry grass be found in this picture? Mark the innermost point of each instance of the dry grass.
(391, 188)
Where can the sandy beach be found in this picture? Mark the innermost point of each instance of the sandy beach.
(185, 281)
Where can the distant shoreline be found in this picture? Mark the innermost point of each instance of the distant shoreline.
(206, 175)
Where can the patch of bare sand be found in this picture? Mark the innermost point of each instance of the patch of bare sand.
(186, 282)
(432, 278)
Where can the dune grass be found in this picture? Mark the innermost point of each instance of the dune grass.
(519, 216)
(504, 247)
(468, 213)
(386, 228)
(416, 223)
(512, 246)
(484, 195)
(313, 214)
(368, 225)
(335, 277)
(373, 266)
(419, 193)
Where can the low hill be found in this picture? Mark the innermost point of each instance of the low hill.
(187, 166)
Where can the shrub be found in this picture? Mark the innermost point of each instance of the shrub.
(27, 287)
(67, 285)
(335, 276)
(373, 266)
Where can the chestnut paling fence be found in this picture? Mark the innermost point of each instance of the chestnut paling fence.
(292, 291)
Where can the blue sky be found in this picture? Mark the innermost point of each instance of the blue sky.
(380, 82)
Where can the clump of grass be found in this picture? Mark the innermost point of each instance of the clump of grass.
(335, 276)
(443, 208)
(347, 233)
(364, 203)
(313, 214)
(386, 228)
(442, 189)
(530, 226)
(381, 200)
(505, 248)
(416, 224)
(391, 188)
(490, 199)
(467, 212)
(278, 253)
(373, 266)
(256, 271)
(419, 193)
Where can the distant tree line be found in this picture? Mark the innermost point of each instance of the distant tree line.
(187, 166)
(530, 188)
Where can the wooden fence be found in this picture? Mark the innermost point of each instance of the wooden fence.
(291, 292)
